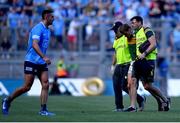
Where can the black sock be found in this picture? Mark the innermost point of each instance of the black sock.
(43, 107)
(9, 100)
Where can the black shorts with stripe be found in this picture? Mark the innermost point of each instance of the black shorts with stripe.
(35, 69)
(144, 70)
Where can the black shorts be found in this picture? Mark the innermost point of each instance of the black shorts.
(35, 69)
(144, 70)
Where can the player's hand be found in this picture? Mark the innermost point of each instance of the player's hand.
(47, 60)
(112, 69)
(142, 56)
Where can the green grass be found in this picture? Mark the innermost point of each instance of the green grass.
(87, 109)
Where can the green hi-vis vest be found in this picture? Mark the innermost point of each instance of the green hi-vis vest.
(122, 51)
(140, 38)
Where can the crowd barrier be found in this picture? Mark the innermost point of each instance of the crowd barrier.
(81, 87)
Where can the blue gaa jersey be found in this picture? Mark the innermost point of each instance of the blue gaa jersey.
(42, 35)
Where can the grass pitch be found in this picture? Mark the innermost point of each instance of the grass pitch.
(87, 109)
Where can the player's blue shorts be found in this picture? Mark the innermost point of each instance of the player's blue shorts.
(35, 69)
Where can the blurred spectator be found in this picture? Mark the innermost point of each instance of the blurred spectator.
(39, 5)
(13, 24)
(4, 30)
(130, 12)
(71, 10)
(169, 6)
(72, 35)
(92, 37)
(143, 9)
(28, 7)
(58, 31)
(88, 21)
(119, 7)
(58, 12)
(3, 10)
(103, 16)
(162, 68)
(53, 4)
(73, 68)
(90, 7)
(62, 71)
(155, 11)
(109, 44)
(175, 40)
(35, 18)
(17, 5)
(89, 30)
(5, 48)
(24, 22)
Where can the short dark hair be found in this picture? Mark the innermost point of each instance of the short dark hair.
(48, 11)
(137, 18)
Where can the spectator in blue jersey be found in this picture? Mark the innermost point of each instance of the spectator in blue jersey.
(36, 63)
(58, 26)
(13, 24)
(162, 69)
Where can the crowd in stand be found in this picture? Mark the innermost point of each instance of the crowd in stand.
(18, 16)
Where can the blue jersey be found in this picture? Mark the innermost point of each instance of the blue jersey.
(42, 34)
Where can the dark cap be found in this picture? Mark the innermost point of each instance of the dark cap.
(116, 25)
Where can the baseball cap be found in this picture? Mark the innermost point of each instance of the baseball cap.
(116, 25)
